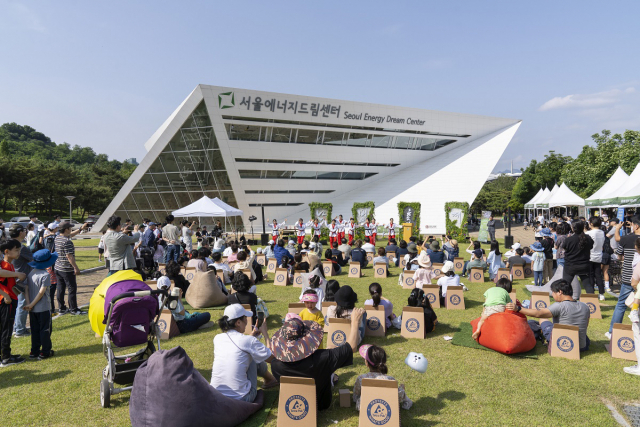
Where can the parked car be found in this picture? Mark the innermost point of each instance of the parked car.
(76, 225)
(22, 219)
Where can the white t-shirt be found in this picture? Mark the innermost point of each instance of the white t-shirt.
(232, 355)
(447, 281)
(598, 241)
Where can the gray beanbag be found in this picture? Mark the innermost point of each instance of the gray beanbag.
(169, 391)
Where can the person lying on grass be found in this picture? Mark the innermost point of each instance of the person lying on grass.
(496, 300)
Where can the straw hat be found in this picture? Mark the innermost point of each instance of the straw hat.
(424, 260)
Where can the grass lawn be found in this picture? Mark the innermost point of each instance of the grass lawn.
(87, 258)
(80, 242)
(462, 387)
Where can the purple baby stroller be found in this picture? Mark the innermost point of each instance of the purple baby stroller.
(131, 313)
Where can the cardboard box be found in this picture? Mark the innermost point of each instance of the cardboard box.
(412, 324)
(593, 303)
(246, 272)
(458, 265)
(325, 307)
(261, 259)
(162, 268)
(354, 270)
(513, 296)
(297, 402)
(539, 300)
(280, 277)
(622, 345)
(407, 279)
(272, 264)
(298, 280)
(345, 397)
(327, 267)
(296, 307)
(339, 330)
(225, 259)
(476, 275)
(565, 342)
(167, 327)
(437, 268)
(432, 292)
(528, 272)
(369, 257)
(189, 273)
(390, 257)
(232, 264)
(503, 273)
(455, 298)
(376, 325)
(249, 327)
(517, 272)
(220, 274)
(380, 270)
(379, 403)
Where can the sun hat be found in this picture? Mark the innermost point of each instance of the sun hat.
(309, 297)
(454, 242)
(290, 243)
(235, 311)
(296, 340)
(163, 283)
(434, 246)
(447, 267)
(537, 246)
(290, 316)
(259, 250)
(478, 253)
(424, 260)
(43, 259)
(515, 246)
(363, 352)
(412, 248)
(345, 296)
(41, 227)
(545, 232)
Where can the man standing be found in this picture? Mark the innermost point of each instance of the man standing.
(491, 228)
(171, 235)
(21, 264)
(66, 268)
(149, 236)
(57, 220)
(119, 246)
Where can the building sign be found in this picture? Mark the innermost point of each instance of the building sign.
(483, 234)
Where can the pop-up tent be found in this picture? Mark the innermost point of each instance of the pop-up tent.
(602, 197)
(544, 202)
(207, 207)
(565, 197)
(629, 194)
(531, 203)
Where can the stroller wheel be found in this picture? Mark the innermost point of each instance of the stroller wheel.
(105, 393)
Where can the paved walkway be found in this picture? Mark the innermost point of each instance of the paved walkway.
(525, 237)
(87, 283)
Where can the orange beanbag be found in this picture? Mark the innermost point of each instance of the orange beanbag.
(507, 333)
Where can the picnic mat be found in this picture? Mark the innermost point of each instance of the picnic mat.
(463, 339)
(260, 417)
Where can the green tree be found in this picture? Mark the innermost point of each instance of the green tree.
(494, 196)
(538, 175)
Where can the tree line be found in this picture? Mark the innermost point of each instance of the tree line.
(37, 174)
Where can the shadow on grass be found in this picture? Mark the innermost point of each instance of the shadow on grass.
(89, 349)
(431, 406)
(20, 377)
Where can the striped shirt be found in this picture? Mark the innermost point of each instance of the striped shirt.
(64, 247)
(627, 247)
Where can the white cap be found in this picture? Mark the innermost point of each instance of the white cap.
(236, 311)
(271, 242)
(53, 226)
(41, 227)
(259, 250)
(312, 245)
(163, 283)
(515, 246)
(447, 267)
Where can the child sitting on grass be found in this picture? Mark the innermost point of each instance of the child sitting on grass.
(496, 300)
(375, 359)
(311, 312)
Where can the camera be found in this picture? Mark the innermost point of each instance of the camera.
(252, 218)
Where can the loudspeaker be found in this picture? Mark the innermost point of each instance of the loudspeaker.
(252, 242)
(508, 242)
(264, 239)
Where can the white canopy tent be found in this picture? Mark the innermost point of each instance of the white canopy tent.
(628, 195)
(531, 203)
(206, 207)
(544, 202)
(602, 197)
(565, 197)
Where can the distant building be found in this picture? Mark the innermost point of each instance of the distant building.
(131, 161)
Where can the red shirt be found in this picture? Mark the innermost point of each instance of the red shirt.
(7, 283)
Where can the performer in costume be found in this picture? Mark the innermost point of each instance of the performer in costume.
(300, 231)
(367, 231)
(275, 233)
(392, 229)
(316, 226)
(333, 233)
(350, 229)
(374, 231)
(341, 224)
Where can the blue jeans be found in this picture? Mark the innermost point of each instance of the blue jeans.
(464, 269)
(561, 262)
(255, 370)
(193, 322)
(362, 327)
(547, 328)
(621, 308)
(172, 253)
(537, 278)
(20, 325)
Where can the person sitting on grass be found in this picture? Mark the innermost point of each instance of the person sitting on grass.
(477, 261)
(334, 262)
(221, 285)
(173, 272)
(564, 310)
(495, 301)
(376, 299)
(375, 358)
(239, 359)
(244, 293)
(417, 298)
(187, 322)
(314, 284)
(449, 278)
(425, 274)
(346, 300)
(311, 312)
(382, 258)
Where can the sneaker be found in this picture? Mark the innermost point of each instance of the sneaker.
(22, 334)
(601, 297)
(464, 288)
(63, 310)
(12, 360)
(607, 289)
(43, 357)
(77, 312)
(633, 370)
(608, 335)
(33, 356)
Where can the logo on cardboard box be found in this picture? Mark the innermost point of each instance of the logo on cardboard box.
(455, 299)
(517, 273)
(564, 343)
(296, 407)
(338, 338)
(354, 270)
(540, 305)
(162, 325)
(326, 270)
(379, 412)
(477, 276)
(373, 323)
(299, 280)
(280, 278)
(409, 281)
(380, 271)
(431, 297)
(625, 344)
(412, 325)
(592, 307)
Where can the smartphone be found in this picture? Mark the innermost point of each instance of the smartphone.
(260, 320)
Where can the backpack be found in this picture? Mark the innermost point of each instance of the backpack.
(50, 242)
(606, 246)
(35, 243)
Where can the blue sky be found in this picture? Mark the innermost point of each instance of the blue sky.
(107, 74)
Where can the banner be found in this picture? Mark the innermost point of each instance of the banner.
(620, 214)
(483, 234)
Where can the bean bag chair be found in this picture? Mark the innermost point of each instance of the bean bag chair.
(169, 391)
(96, 303)
(204, 291)
(506, 333)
